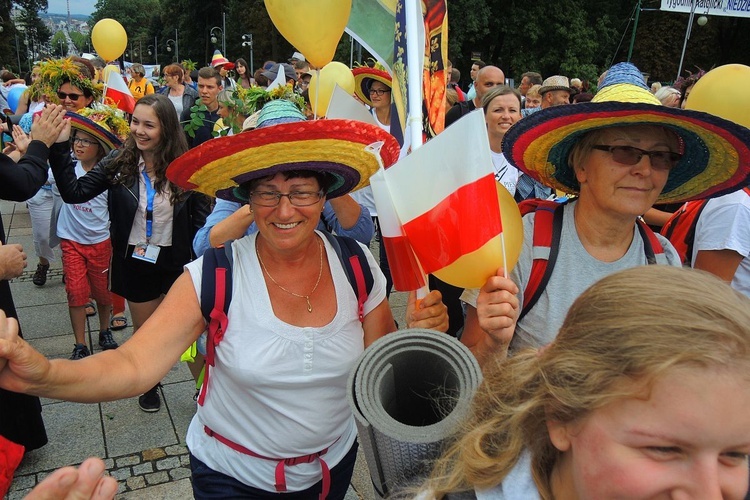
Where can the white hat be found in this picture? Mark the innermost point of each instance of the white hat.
(297, 56)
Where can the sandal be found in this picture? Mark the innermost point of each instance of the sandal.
(118, 323)
(90, 309)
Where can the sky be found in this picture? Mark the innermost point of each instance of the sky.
(85, 7)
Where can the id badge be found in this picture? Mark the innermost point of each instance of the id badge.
(146, 252)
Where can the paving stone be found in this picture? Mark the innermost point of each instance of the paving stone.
(185, 460)
(179, 401)
(168, 463)
(74, 434)
(153, 454)
(136, 483)
(130, 430)
(157, 477)
(23, 482)
(121, 487)
(143, 469)
(176, 490)
(176, 450)
(180, 473)
(18, 495)
(128, 461)
(109, 463)
(121, 474)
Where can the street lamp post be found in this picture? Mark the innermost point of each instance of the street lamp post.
(215, 38)
(701, 22)
(152, 52)
(247, 41)
(170, 43)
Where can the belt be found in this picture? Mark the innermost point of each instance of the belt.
(280, 475)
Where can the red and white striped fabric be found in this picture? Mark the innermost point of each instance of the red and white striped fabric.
(445, 195)
(117, 91)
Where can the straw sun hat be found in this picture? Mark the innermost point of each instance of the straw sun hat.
(105, 123)
(715, 152)
(363, 78)
(285, 141)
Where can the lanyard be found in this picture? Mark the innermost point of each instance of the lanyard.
(150, 193)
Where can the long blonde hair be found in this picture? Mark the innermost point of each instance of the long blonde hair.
(618, 337)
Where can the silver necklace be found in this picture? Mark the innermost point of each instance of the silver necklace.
(306, 297)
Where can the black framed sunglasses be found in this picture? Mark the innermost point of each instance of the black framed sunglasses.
(73, 97)
(379, 91)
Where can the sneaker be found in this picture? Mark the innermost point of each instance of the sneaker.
(40, 276)
(150, 402)
(106, 341)
(80, 351)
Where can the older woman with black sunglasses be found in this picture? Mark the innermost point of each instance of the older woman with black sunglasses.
(620, 153)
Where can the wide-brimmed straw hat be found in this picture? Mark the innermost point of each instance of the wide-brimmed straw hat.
(715, 152)
(363, 78)
(218, 59)
(221, 167)
(106, 124)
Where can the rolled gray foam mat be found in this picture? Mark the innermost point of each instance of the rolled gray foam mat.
(409, 391)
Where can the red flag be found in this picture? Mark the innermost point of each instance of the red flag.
(118, 93)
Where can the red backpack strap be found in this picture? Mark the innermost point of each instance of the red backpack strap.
(548, 221)
(651, 244)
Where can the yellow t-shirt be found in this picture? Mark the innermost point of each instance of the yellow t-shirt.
(139, 89)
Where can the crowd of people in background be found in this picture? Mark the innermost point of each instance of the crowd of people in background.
(599, 167)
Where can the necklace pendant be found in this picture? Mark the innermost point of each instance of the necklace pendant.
(309, 306)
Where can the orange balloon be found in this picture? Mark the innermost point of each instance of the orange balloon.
(473, 270)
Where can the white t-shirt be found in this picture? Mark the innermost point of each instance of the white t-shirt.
(86, 223)
(724, 224)
(505, 173)
(277, 389)
(177, 103)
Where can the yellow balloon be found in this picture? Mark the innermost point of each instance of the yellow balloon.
(723, 92)
(473, 270)
(313, 27)
(109, 68)
(109, 39)
(323, 83)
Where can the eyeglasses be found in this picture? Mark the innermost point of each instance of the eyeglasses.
(83, 142)
(378, 91)
(296, 198)
(72, 97)
(628, 155)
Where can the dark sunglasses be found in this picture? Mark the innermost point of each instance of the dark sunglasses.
(628, 155)
(73, 97)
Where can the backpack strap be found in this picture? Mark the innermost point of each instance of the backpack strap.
(548, 221)
(216, 296)
(356, 268)
(651, 244)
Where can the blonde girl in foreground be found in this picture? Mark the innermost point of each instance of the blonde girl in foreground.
(644, 394)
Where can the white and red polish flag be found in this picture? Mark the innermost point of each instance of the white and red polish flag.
(117, 92)
(445, 195)
(405, 270)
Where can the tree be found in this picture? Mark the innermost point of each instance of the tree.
(59, 45)
(136, 16)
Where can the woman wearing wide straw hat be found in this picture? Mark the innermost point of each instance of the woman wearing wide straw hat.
(643, 394)
(275, 416)
(621, 153)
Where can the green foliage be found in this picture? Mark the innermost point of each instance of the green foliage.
(81, 41)
(197, 116)
(136, 16)
(59, 44)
